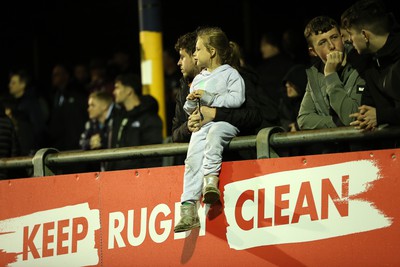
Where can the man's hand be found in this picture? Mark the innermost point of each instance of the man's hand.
(195, 122)
(208, 114)
(95, 141)
(292, 127)
(334, 61)
(365, 118)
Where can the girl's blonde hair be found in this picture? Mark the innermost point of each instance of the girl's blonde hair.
(228, 51)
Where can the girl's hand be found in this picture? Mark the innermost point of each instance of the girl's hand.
(198, 93)
(191, 96)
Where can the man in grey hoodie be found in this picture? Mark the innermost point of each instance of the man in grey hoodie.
(334, 84)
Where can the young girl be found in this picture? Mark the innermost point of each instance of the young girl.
(219, 84)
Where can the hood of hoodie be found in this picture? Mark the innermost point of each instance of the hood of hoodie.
(390, 52)
(249, 74)
(298, 76)
(148, 104)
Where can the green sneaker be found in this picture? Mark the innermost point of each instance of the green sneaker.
(189, 218)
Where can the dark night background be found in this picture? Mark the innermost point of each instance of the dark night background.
(36, 34)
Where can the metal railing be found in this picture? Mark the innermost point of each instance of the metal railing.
(266, 143)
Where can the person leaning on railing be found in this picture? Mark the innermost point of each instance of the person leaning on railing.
(373, 30)
(334, 82)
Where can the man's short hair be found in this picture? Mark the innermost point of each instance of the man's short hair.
(187, 42)
(369, 14)
(131, 80)
(319, 25)
(105, 96)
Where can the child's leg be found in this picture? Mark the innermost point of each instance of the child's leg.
(218, 137)
(192, 183)
(193, 177)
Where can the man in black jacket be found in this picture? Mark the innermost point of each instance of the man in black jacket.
(374, 31)
(27, 110)
(185, 46)
(9, 144)
(136, 124)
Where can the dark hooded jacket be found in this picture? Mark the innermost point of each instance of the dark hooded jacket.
(9, 144)
(139, 126)
(180, 131)
(289, 106)
(383, 81)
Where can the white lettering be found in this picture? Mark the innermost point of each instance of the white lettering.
(116, 224)
(48, 238)
(302, 205)
(165, 225)
(136, 241)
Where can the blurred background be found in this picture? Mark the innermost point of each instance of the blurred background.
(37, 34)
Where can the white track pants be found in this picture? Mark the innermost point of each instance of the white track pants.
(204, 156)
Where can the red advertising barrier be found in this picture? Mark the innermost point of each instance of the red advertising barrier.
(322, 210)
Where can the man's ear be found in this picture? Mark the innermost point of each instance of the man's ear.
(311, 52)
(23, 84)
(131, 90)
(366, 34)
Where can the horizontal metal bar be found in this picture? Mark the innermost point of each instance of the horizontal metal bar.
(111, 154)
(276, 140)
(305, 137)
(16, 162)
(159, 150)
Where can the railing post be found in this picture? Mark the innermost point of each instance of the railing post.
(39, 162)
(264, 150)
